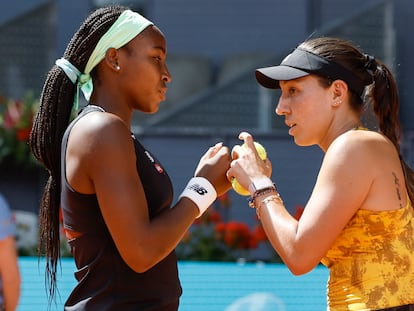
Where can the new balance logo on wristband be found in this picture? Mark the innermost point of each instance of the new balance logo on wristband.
(201, 192)
(199, 189)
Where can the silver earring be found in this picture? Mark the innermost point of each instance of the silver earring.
(117, 67)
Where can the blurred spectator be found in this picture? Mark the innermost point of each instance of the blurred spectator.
(9, 269)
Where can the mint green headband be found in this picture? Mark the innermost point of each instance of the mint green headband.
(128, 25)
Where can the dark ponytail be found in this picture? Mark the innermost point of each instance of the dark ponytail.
(386, 105)
(49, 126)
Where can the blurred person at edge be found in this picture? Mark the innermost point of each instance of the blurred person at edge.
(116, 197)
(9, 266)
(358, 221)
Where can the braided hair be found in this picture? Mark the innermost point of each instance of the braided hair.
(50, 123)
(381, 91)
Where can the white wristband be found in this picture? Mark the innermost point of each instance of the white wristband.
(201, 192)
(260, 184)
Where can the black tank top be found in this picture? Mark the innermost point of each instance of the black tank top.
(105, 282)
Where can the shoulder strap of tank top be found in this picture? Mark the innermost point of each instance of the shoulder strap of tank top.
(83, 112)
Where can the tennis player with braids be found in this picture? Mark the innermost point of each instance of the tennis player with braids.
(359, 220)
(115, 196)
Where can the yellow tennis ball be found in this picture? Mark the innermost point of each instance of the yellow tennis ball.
(260, 150)
(238, 188)
(235, 184)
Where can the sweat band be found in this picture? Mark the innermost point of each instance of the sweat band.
(128, 25)
(201, 192)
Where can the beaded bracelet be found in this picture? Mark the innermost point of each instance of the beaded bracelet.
(259, 193)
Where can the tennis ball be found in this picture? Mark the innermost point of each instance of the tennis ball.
(235, 184)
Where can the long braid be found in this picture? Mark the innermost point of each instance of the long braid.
(49, 126)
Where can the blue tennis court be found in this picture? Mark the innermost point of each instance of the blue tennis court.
(207, 286)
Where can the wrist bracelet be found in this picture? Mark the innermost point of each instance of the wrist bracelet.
(275, 197)
(201, 192)
(259, 193)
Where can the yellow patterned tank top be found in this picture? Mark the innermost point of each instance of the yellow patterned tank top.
(372, 261)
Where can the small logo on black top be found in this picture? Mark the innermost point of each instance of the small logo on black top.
(149, 156)
(157, 166)
(199, 189)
